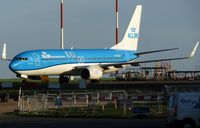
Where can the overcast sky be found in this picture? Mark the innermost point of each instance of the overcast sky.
(34, 24)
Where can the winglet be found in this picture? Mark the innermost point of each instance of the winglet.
(3, 56)
(194, 50)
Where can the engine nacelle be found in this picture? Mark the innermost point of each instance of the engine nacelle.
(91, 73)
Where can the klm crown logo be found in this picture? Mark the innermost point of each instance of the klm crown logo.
(133, 34)
(45, 55)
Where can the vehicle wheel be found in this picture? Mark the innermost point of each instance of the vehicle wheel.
(189, 123)
(176, 124)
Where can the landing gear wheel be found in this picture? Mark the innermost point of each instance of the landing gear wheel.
(64, 80)
(23, 81)
(94, 81)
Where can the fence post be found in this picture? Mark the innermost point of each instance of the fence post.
(74, 97)
(22, 101)
(103, 108)
(19, 98)
(86, 99)
(115, 104)
(97, 97)
(28, 104)
(124, 107)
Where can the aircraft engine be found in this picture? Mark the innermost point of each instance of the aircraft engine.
(91, 73)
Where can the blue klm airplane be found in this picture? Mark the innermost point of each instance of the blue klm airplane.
(90, 64)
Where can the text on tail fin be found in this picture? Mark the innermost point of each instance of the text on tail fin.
(130, 39)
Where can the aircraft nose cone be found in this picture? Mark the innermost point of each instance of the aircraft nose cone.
(12, 66)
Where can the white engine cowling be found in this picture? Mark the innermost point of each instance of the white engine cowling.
(91, 73)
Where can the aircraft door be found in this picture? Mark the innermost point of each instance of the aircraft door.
(37, 59)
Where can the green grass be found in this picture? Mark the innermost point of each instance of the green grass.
(91, 111)
(11, 80)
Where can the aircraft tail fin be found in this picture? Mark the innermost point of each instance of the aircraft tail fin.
(130, 40)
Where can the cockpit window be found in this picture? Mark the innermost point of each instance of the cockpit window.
(21, 58)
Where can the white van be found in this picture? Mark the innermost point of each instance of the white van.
(184, 110)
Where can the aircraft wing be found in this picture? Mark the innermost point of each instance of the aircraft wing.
(168, 59)
(149, 61)
(136, 63)
(141, 53)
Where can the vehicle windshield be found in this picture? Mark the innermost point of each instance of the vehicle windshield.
(171, 101)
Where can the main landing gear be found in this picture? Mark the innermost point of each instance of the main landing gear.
(94, 81)
(64, 79)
